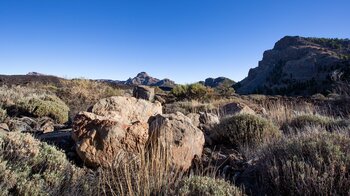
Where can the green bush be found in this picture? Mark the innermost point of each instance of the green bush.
(206, 186)
(309, 164)
(244, 129)
(29, 167)
(48, 105)
(180, 91)
(192, 91)
(304, 121)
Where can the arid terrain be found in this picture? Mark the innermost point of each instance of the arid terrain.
(283, 130)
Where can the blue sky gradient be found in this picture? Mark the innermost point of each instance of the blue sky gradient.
(184, 40)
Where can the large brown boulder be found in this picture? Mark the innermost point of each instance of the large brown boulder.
(118, 126)
(177, 136)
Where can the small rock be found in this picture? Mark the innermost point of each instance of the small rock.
(144, 92)
(235, 108)
(4, 127)
(208, 118)
(46, 125)
(17, 125)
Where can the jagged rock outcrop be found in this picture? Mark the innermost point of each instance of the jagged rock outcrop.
(176, 134)
(299, 66)
(115, 127)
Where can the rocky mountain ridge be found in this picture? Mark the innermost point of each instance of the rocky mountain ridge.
(299, 66)
(143, 78)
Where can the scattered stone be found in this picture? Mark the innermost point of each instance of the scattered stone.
(144, 92)
(4, 129)
(235, 108)
(19, 125)
(208, 118)
(46, 125)
(159, 98)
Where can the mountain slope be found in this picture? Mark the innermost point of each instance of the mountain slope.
(299, 66)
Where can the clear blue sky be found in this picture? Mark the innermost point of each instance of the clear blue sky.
(185, 40)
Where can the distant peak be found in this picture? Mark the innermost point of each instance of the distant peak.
(35, 74)
(142, 74)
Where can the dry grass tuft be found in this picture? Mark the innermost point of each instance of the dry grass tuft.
(80, 94)
(302, 122)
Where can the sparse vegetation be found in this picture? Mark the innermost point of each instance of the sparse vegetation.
(315, 163)
(80, 94)
(245, 130)
(30, 167)
(195, 91)
(207, 186)
(303, 121)
(42, 106)
(301, 159)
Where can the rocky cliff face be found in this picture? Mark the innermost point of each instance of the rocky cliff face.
(299, 66)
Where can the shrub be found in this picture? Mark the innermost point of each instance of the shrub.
(29, 167)
(207, 186)
(304, 121)
(308, 164)
(192, 91)
(180, 91)
(244, 129)
(10, 95)
(42, 106)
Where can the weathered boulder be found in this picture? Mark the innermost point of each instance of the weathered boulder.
(126, 109)
(144, 92)
(176, 134)
(235, 108)
(118, 126)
